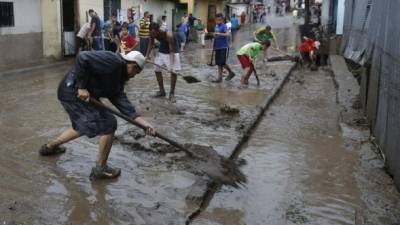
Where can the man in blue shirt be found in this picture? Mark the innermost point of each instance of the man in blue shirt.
(221, 47)
(235, 26)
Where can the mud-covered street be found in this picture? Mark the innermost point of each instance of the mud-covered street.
(301, 167)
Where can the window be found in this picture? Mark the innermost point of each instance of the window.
(6, 14)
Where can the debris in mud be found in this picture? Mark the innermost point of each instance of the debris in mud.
(226, 109)
(240, 127)
(13, 206)
(295, 214)
(215, 123)
(136, 135)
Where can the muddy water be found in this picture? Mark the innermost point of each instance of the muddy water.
(154, 184)
(300, 169)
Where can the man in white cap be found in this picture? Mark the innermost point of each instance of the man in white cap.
(97, 74)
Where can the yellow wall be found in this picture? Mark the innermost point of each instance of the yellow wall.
(203, 10)
(51, 29)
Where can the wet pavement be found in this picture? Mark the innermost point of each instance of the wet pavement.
(300, 169)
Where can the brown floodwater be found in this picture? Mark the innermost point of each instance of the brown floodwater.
(297, 168)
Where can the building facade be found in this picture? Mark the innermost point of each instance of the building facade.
(36, 30)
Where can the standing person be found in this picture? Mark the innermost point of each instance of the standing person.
(168, 55)
(265, 34)
(110, 42)
(262, 16)
(283, 10)
(116, 26)
(144, 33)
(184, 18)
(201, 32)
(242, 18)
(191, 20)
(95, 31)
(255, 16)
(163, 23)
(247, 55)
(97, 74)
(127, 41)
(235, 26)
(132, 27)
(81, 38)
(221, 47)
(182, 31)
(191, 34)
(229, 27)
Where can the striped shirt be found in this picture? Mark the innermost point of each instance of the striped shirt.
(144, 28)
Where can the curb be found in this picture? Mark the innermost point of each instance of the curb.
(32, 68)
(211, 187)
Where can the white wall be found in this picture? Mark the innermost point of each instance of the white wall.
(155, 7)
(325, 13)
(340, 17)
(27, 17)
(239, 8)
(85, 5)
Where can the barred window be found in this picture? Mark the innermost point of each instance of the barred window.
(6, 14)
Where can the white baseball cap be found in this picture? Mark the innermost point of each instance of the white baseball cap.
(317, 44)
(135, 56)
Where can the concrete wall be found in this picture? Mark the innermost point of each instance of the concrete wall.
(51, 28)
(27, 29)
(27, 18)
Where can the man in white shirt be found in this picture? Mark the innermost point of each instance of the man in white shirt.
(81, 37)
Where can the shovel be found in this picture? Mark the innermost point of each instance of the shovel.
(130, 120)
(292, 58)
(212, 58)
(255, 73)
(218, 168)
(188, 79)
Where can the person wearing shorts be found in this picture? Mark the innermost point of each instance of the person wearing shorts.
(308, 50)
(265, 34)
(168, 55)
(95, 75)
(247, 55)
(221, 48)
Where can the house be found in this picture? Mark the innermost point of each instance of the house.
(32, 31)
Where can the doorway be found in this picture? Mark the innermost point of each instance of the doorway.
(68, 27)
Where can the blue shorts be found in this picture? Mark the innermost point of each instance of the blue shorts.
(88, 120)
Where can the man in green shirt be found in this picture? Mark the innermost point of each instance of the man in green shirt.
(247, 55)
(265, 35)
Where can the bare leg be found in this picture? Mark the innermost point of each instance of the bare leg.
(173, 83)
(246, 75)
(228, 68)
(68, 135)
(105, 144)
(265, 54)
(160, 82)
(220, 70)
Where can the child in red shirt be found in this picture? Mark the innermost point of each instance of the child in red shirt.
(307, 50)
(128, 42)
